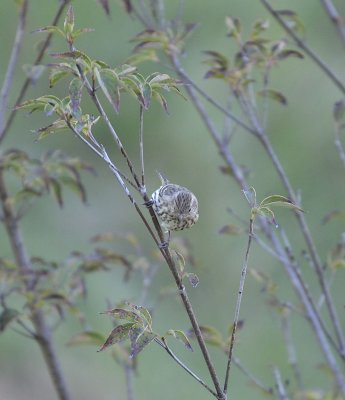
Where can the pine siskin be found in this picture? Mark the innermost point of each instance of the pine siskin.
(176, 206)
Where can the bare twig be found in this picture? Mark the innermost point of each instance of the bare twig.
(308, 50)
(238, 306)
(38, 59)
(141, 146)
(162, 342)
(129, 373)
(5, 90)
(291, 350)
(42, 330)
(337, 20)
(279, 384)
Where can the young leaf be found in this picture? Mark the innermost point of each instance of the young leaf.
(139, 340)
(193, 279)
(49, 29)
(279, 201)
(120, 313)
(117, 335)
(75, 92)
(110, 85)
(250, 195)
(181, 336)
(274, 95)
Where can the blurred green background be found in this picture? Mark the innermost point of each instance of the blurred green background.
(179, 145)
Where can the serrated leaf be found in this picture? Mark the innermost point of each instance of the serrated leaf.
(274, 95)
(144, 313)
(193, 279)
(181, 336)
(88, 337)
(6, 317)
(110, 85)
(120, 313)
(117, 335)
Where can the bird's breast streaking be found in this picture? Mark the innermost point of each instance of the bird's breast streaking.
(176, 206)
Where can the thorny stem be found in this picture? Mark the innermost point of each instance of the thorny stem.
(162, 342)
(42, 331)
(300, 43)
(12, 65)
(38, 59)
(238, 306)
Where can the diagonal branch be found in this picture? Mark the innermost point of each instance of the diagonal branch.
(337, 20)
(6, 86)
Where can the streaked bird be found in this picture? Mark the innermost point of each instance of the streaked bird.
(175, 206)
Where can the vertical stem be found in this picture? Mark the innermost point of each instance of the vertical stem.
(280, 386)
(141, 145)
(238, 305)
(42, 330)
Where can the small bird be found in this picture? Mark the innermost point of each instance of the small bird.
(176, 206)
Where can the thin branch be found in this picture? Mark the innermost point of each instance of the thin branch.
(129, 373)
(27, 82)
(337, 20)
(5, 90)
(165, 346)
(291, 350)
(279, 384)
(42, 330)
(267, 390)
(339, 146)
(141, 146)
(238, 306)
(300, 43)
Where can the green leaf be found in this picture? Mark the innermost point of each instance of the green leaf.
(233, 26)
(57, 125)
(110, 85)
(49, 29)
(144, 313)
(161, 100)
(88, 337)
(75, 93)
(68, 25)
(274, 95)
(75, 54)
(284, 54)
(181, 261)
(210, 334)
(117, 335)
(6, 317)
(279, 201)
(181, 336)
(265, 212)
(56, 189)
(250, 195)
(120, 313)
(139, 340)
